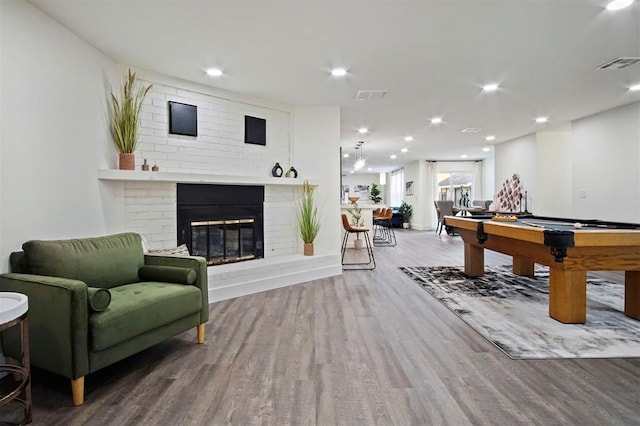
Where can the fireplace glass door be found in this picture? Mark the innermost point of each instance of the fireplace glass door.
(223, 241)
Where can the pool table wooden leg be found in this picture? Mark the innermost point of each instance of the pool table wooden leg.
(522, 266)
(568, 295)
(632, 294)
(473, 260)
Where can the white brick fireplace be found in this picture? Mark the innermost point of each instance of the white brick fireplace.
(146, 200)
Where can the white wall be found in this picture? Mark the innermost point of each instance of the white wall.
(219, 146)
(518, 156)
(412, 173)
(589, 169)
(54, 131)
(606, 159)
(488, 179)
(317, 153)
(554, 169)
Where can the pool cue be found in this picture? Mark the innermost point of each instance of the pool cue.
(536, 224)
(542, 224)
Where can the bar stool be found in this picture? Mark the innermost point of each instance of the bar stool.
(383, 233)
(357, 230)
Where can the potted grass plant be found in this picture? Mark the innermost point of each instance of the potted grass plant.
(125, 115)
(308, 224)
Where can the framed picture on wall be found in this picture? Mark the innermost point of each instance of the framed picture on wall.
(408, 190)
(183, 119)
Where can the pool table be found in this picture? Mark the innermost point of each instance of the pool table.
(569, 247)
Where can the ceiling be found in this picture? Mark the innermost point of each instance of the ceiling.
(433, 57)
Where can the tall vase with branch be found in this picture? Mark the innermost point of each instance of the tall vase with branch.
(125, 117)
(308, 223)
(356, 220)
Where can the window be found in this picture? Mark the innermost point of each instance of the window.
(396, 189)
(456, 186)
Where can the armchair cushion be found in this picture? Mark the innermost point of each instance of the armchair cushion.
(100, 262)
(141, 307)
(172, 274)
(98, 299)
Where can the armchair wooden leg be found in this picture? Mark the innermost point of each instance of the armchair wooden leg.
(77, 390)
(200, 333)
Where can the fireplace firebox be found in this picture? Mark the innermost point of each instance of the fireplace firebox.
(222, 223)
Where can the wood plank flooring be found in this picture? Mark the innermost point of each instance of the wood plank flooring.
(364, 348)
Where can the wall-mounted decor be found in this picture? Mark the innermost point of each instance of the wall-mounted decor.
(510, 196)
(255, 130)
(408, 190)
(183, 119)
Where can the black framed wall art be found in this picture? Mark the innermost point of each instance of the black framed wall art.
(183, 119)
(255, 130)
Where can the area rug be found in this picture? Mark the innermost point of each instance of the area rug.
(512, 312)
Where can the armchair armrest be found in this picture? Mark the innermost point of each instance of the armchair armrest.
(58, 321)
(194, 262)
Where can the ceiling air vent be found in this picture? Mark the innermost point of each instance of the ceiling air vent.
(471, 130)
(370, 95)
(618, 63)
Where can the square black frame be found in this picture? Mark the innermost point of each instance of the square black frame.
(183, 119)
(255, 130)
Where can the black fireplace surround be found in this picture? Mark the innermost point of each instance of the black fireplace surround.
(223, 223)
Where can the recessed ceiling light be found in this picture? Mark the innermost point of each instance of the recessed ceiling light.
(345, 155)
(542, 119)
(214, 72)
(408, 138)
(486, 149)
(635, 88)
(463, 156)
(369, 169)
(403, 150)
(363, 130)
(491, 87)
(490, 138)
(392, 156)
(338, 72)
(618, 4)
(351, 171)
(436, 120)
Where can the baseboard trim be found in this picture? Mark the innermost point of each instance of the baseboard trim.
(217, 294)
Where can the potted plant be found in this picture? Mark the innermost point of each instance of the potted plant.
(308, 224)
(125, 114)
(375, 193)
(405, 210)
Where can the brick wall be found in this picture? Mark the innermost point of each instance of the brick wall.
(219, 146)
(150, 207)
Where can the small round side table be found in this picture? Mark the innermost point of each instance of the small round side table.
(13, 312)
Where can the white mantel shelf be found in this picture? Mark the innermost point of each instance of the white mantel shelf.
(188, 177)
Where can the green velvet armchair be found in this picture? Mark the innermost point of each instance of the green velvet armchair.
(95, 301)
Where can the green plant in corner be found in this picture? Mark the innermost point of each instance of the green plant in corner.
(405, 210)
(308, 223)
(375, 193)
(125, 114)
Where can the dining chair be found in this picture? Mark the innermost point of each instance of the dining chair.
(357, 230)
(444, 208)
